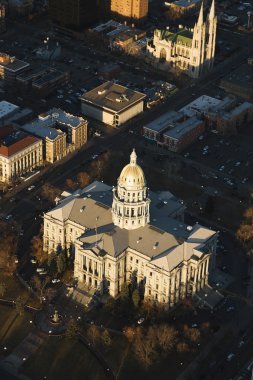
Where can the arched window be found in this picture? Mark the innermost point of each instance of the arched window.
(163, 55)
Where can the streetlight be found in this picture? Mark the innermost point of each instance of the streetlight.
(249, 14)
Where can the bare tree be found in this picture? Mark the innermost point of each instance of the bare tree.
(93, 334)
(182, 347)
(37, 248)
(129, 333)
(83, 179)
(8, 247)
(50, 192)
(192, 334)
(40, 285)
(3, 289)
(72, 329)
(166, 336)
(145, 350)
(106, 338)
(20, 305)
(70, 183)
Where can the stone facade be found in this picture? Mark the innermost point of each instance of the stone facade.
(190, 50)
(141, 239)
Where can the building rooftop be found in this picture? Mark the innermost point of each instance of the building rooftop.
(184, 3)
(12, 63)
(239, 80)
(200, 105)
(13, 141)
(112, 97)
(181, 128)
(183, 36)
(163, 122)
(45, 125)
(7, 108)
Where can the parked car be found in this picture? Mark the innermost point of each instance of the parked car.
(140, 321)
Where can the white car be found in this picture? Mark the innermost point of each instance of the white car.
(94, 156)
(33, 261)
(140, 321)
(55, 280)
(39, 270)
(230, 357)
(98, 134)
(31, 187)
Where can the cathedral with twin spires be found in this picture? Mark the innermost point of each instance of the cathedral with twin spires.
(190, 50)
(128, 234)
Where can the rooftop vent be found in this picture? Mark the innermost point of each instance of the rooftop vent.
(189, 228)
(155, 245)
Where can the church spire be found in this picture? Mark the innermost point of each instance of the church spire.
(201, 15)
(212, 11)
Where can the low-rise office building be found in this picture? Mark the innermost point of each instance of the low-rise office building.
(7, 111)
(183, 6)
(20, 153)
(61, 132)
(43, 80)
(239, 82)
(226, 115)
(112, 104)
(174, 130)
(11, 67)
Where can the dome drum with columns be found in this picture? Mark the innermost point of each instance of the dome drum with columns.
(130, 208)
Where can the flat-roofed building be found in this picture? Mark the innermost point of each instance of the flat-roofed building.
(183, 134)
(61, 132)
(20, 153)
(42, 80)
(7, 110)
(130, 9)
(10, 67)
(174, 130)
(183, 6)
(155, 129)
(239, 82)
(227, 115)
(112, 104)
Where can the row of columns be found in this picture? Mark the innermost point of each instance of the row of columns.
(24, 163)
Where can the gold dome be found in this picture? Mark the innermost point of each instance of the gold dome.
(132, 175)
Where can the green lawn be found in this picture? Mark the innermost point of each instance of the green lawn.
(13, 328)
(61, 359)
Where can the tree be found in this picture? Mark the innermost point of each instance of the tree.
(8, 247)
(136, 298)
(2, 289)
(124, 293)
(166, 337)
(148, 308)
(93, 334)
(72, 329)
(83, 179)
(244, 233)
(20, 305)
(70, 183)
(192, 334)
(50, 192)
(106, 338)
(129, 332)
(144, 349)
(182, 347)
(40, 285)
(37, 248)
(61, 262)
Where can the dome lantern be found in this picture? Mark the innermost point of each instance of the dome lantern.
(130, 208)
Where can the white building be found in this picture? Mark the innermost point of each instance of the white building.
(190, 50)
(141, 239)
(112, 104)
(19, 154)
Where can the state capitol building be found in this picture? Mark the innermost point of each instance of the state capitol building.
(129, 234)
